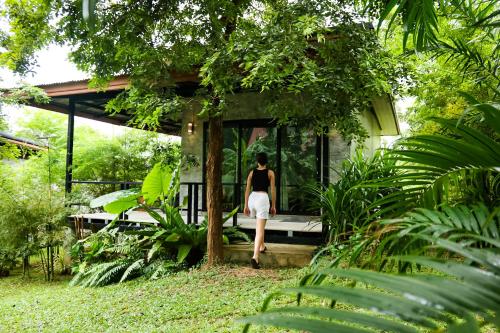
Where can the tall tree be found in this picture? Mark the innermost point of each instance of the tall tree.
(454, 47)
(463, 32)
(312, 60)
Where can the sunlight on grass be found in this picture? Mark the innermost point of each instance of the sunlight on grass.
(194, 301)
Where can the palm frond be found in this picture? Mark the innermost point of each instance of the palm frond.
(418, 17)
(457, 223)
(460, 302)
(416, 230)
(469, 59)
(429, 164)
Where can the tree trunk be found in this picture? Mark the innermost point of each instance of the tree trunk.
(214, 190)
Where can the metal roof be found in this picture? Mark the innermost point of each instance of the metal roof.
(21, 141)
(90, 102)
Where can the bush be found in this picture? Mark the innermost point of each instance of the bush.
(8, 260)
(110, 256)
(32, 217)
(344, 204)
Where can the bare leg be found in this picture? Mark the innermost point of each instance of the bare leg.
(259, 238)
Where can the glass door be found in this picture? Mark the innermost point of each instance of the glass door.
(256, 140)
(298, 169)
(230, 175)
(292, 154)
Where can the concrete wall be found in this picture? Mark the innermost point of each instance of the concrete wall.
(246, 106)
(240, 107)
(340, 149)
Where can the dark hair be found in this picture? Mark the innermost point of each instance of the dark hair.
(261, 158)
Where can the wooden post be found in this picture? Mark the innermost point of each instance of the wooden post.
(214, 190)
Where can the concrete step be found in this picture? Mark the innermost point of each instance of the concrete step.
(276, 255)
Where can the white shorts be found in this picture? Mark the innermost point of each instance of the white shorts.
(259, 205)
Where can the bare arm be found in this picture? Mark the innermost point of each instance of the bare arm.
(272, 183)
(246, 211)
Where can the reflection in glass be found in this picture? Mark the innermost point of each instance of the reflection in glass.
(229, 167)
(297, 163)
(298, 168)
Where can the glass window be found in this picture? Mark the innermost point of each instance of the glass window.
(291, 153)
(298, 169)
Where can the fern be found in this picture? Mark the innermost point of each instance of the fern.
(234, 233)
(159, 268)
(462, 300)
(112, 274)
(136, 266)
(100, 274)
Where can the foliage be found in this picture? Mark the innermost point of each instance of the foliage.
(8, 150)
(27, 212)
(313, 74)
(152, 251)
(437, 169)
(463, 300)
(345, 204)
(314, 87)
(457, 50)
(32, 215)
(109, 257)
(24, 94)
(475, 226)
(422, 20)
(434, 172)
(3, 123)
(17, 96)
(411, 233)
(124, 157)
(8, 259)
(436, 303)
(436, 96)
(37, 124)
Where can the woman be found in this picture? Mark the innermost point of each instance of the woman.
(257, 202)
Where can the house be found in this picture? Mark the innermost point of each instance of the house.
(26, 147)
(299, 156)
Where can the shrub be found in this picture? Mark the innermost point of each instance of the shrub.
(111, 256)
(8, 259)
(344, 204)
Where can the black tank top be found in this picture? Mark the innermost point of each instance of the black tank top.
(260, 180)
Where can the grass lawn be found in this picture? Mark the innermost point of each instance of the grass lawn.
(199, 300)
(191, 301)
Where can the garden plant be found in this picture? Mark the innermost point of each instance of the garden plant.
(156, 249)
(413, 242)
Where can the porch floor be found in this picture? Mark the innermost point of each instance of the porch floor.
(283, 223)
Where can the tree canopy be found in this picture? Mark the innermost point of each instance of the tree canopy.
(314, 61)
(309, 48)
(461, 57)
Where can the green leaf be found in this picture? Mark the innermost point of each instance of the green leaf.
(157, 184)
(347, 317)
(172, 238)
(117, 202)
(183, 252)
(156, 246)
(301, 324)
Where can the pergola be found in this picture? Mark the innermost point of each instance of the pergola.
(75, 98)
